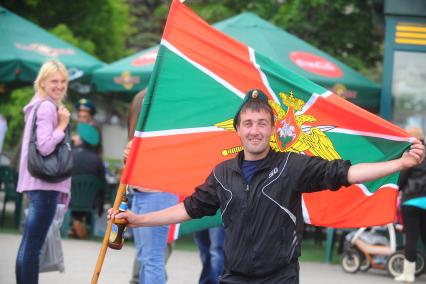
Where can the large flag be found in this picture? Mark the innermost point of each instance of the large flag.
(185, 127)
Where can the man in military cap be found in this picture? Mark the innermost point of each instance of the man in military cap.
(86, 110)
(259, 192)
(86, 161)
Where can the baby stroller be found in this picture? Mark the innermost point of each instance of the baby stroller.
(369, 249)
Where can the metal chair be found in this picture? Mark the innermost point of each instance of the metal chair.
(8, 182)
(85, 191)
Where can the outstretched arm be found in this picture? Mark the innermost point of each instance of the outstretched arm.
(365, 172)
(171, 215)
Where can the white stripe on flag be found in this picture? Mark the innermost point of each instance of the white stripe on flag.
(365, 190)
(224, 83)
(262, 75)
(176, 234)
(169, 132)
(372, 134)
(305, 212)
(308, 104)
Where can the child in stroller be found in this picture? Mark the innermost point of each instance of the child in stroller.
(373, 248)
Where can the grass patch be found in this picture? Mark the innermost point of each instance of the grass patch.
(316, 253)
(186, 243)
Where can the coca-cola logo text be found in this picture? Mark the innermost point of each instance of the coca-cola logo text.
(315, 64)
(146, 58)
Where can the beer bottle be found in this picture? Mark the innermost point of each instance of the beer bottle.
(116, 238)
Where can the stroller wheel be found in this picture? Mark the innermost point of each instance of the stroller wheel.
(365, 263)
(350, 261)
(395, 263)
(420, 263)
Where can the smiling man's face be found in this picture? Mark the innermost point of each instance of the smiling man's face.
(255, 130)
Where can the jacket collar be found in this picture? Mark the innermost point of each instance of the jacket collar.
(236, 163)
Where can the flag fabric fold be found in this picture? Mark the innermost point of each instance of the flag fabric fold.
(185, 127)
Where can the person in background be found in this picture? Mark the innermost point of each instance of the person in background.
(210, 245)
(86, 111)
(151, 242)
(52, 119)
(87, 162)
(85, 143)
(412, 184)
(259, 192)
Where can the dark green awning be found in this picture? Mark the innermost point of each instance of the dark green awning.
(24, 47)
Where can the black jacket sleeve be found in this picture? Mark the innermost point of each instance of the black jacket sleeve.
(204, 201)
(315, 174)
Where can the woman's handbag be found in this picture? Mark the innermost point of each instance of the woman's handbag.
(54, 167)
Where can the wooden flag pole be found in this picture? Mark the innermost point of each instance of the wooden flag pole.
(120, 192)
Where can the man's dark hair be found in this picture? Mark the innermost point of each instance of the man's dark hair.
(258, 103)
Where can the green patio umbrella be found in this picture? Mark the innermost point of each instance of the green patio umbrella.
(131, 74)
(24, 47)
(128, 75)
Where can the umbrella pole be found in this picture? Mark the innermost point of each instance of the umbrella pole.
(120, 192)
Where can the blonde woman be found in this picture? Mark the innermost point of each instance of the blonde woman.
(52, 119)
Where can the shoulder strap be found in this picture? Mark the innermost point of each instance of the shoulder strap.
(33, 137)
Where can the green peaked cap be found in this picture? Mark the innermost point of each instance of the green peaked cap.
(85, 104)
(254, 94)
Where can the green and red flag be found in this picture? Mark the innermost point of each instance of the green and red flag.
(185, 127)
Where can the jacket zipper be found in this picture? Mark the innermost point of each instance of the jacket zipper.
(250, 240)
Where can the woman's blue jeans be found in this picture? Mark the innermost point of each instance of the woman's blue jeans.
(41, 211)
(151, 241)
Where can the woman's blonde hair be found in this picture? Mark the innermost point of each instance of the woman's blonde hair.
(49, 68)
(415, 132)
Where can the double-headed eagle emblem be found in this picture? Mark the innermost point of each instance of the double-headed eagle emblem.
(293, 132)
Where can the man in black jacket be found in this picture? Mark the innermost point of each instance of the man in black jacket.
(259, 193)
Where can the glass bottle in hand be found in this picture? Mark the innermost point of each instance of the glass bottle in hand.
(116, 237)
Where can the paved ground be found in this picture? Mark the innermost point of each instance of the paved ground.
(183, 266)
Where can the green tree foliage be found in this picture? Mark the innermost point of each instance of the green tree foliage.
(342, 28)
(62, 31)
(100, 27)
(12, 111)
(149, 19)
(214, 11)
